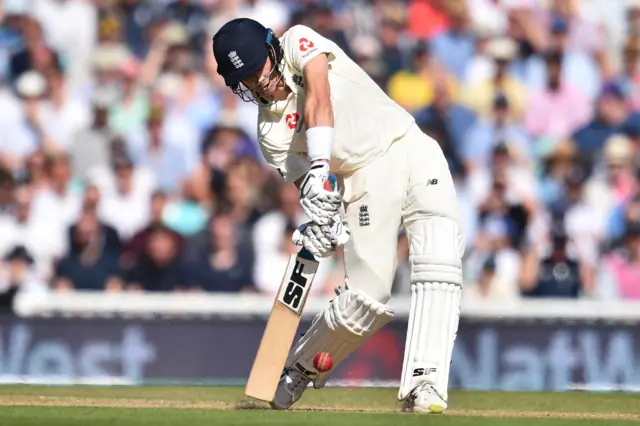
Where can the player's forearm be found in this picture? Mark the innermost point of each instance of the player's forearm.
(318, 111)
(319, 116)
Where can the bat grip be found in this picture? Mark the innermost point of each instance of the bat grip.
(305, 254)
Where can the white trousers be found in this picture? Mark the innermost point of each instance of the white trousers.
(410, 182)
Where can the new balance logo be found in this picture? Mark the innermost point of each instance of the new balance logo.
(432, 182)
(364, 216)
(235, 59)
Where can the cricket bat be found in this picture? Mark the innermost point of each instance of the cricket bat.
(282, 326)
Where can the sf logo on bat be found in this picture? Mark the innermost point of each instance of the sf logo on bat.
(295, 292)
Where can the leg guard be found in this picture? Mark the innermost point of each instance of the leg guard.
(351, 318)
(436, 249)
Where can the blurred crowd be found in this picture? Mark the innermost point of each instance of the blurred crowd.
(126, 165)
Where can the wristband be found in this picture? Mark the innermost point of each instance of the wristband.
(319, 143)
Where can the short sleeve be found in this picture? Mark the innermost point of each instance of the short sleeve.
(301, 44)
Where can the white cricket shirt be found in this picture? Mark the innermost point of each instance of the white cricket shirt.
(366, 120)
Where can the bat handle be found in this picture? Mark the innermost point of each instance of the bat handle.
(305, 254)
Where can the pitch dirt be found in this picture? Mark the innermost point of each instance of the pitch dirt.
(74, 402)
(230, 407)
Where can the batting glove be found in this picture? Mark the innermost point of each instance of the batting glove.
(318, 199)
(322, 240)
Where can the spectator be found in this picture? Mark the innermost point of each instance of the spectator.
(159, 268)
(222, 144)
(362, 18)
(504, 192)
(492, 284)
(59, 201)
(6, 192)
(448, 123)
(494, 243)
(123, 97)
(130, 104)
(555, 275)
(185, 214)
(35, 172)
(136, 246)
(489, 14)
(91, 264)
(137, 17)
(620, 272)
(323, 21)
(11, 40)
(611, 116)
(456, 47)
(18, 276)
(41, 236)
(30, 128)
(107, 62)
(615, 183)
(620, 217)
(557, 167)
(414, 88)
(125, 209)
(558, 110)
(91, 204)
(36, 55)
(162, 152)
(427, 18)
(629, 79)
(481, 66)
(192, 98)
(582, 35)
(240, 193)
(523, 27)
(500, 128)
(104, 176)
(65, 113)
(584, 225)
(110, 31)
(193, 16)
(577, 67)
(222, 267)
(89, 147)
(480, 96)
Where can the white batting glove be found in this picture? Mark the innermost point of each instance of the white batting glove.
(322, 240)
(318, 200)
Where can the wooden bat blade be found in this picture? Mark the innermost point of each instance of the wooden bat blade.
(281, 327)
(272, 353)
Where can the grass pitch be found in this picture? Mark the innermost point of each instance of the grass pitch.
(196, 406)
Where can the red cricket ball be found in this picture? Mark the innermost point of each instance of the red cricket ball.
(322, 362)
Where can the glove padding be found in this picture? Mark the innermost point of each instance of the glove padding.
(322, 240)
(318, 200)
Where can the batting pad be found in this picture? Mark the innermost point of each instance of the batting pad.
(436, 249)
(351, 318)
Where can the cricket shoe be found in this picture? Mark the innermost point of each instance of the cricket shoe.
(424, 399)
(290, 388)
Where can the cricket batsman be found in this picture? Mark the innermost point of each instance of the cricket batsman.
(320, 114)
